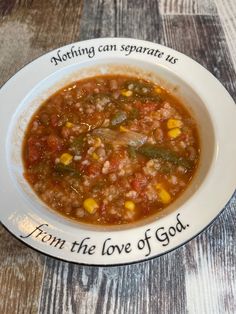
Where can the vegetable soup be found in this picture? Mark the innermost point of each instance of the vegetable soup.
(110, 150)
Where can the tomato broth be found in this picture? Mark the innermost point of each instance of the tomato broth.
(110, 150)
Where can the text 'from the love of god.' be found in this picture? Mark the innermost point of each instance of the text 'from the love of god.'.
(148, 242)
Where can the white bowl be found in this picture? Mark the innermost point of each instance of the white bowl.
(30, 220)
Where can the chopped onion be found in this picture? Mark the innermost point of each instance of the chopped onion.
(121, 138)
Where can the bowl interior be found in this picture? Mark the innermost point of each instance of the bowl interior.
(158, 74)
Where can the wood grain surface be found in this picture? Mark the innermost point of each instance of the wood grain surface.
(199, 277)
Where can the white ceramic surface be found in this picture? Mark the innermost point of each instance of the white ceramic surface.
(23, 214)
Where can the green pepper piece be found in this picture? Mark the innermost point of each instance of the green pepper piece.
(132, 152)
(152, 151)
(118, 118)
(98, 186)
(77, 144)
(134, 114)
(63, 169)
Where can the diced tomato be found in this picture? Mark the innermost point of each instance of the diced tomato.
(54, 143)
(139, 182)
(54, 120)
(183, 137)
(114, 164)
(94, 169)
(65, 132)
(103, 209)
(146, 108)
(96, 118)
(34, 147)
(115, 160)
(32, 178)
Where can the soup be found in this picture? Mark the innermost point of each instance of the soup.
(110, 150)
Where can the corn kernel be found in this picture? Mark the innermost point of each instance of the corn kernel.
(97, 142)
(69, 125)
(126, 93)
(66, 159)
(158, 90)
(123, 129)
(95, 156)
(174, 123)
(130, 205)
(173, 133)
(163, 194)
(90, 205)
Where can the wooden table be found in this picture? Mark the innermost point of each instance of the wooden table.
(199, 277)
